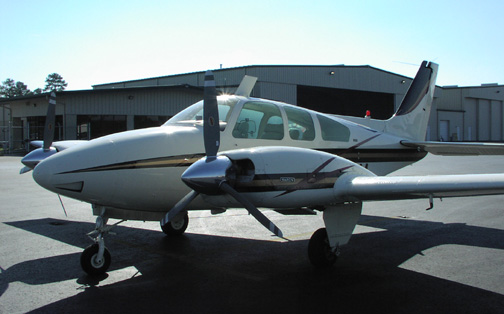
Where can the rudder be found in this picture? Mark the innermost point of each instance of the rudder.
(412, 116)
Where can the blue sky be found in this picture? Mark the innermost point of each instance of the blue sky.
(92, 42)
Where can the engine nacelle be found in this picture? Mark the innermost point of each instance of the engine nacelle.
(285, 177)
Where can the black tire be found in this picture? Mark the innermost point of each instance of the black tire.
(175, 228)
(319, 250)
(88, 262)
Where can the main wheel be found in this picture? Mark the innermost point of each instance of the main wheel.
(176, 227)
(91, 265)
(319, 251)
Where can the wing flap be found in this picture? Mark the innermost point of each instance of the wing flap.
(414, 187)
(457, 148)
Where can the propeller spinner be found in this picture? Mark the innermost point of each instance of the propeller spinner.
(213, 174)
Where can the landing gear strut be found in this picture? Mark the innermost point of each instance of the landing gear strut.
(95, 259)
(340, 221)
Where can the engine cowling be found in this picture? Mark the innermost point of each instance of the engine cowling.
(285, 177)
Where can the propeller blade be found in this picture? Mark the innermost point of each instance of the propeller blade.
(180, 206)
(25, 170)
(49, 123)
(252, 209)
(211, 128)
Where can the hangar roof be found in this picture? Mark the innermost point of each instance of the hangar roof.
(265, 70)
(102, 91)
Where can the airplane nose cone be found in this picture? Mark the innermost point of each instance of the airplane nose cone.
(42, 174)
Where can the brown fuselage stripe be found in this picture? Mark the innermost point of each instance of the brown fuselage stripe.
(354, 155)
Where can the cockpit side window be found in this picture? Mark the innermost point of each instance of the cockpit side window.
(300, 124)
(332, 130)
(259, 120)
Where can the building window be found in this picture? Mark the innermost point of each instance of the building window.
(149, 121)
(36, 127)
(93, 126)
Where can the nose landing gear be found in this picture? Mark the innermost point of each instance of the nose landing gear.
(95, 259)
(94, 262)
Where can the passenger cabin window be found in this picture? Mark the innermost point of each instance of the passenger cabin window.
(301, 126)
(332, 130)
(259, 120)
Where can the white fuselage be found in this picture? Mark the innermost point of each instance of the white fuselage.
(137, 173)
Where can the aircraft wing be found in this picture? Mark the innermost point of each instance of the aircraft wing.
(362, 188)
(457, 148)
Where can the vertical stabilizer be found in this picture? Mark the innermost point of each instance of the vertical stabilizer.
(246, 86)
(412, 116)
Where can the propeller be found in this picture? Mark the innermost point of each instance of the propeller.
(49, 123)
(39, 154)
(212, 174)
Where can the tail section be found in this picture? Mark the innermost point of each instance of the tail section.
(412, 116)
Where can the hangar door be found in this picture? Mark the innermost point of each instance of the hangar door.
(346, 102)
(444, 130)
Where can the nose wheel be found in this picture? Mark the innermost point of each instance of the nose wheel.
(94, 263)
(95, 259)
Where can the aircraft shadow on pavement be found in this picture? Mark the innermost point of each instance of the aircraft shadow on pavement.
(203, 273)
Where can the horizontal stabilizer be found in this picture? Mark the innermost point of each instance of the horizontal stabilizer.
(457, 148)
(413, 187)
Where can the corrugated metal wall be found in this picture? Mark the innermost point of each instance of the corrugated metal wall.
(280, 82)
(343, 77)
(482, 109)
(131, 102)
(477, 111)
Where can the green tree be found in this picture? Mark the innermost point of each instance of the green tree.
(10, 88)
(55, 82)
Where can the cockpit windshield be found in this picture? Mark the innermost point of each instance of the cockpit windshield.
(193, 115)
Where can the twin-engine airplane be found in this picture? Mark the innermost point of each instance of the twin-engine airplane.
(234, 151)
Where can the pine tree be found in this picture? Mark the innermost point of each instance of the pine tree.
(55, 82)
(10, 88)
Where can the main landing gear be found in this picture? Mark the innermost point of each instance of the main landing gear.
(340, 221)
(320, 253)
(177, 225)
(95, 259)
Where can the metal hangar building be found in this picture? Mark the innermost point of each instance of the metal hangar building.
(458, 114)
